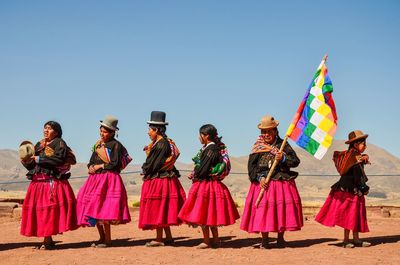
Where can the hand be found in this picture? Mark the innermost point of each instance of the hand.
(263, 183)
(36, 158)
(27, 160)
(279, 156)
(91, 169)
(365, 159)
(94, 168)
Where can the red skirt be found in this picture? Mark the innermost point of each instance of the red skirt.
(160, 202)
(279, 210)
(344, 209)
(103, 198)
(49, 207)
(209, 203)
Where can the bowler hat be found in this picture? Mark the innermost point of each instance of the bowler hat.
(356, 135)
(110, 122)
(157, 118)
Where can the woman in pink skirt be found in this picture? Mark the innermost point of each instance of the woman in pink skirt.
(209, 203)
(280, 208)
(162, 194)
(49, 206)
(102, 200)
(345, 205)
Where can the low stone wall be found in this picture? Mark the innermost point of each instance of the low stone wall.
(12, 208)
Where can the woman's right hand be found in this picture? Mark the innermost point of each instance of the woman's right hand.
(263, 183)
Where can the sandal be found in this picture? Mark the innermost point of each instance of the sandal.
(256, 245)
(202, 246)
(154, 243)
(348, 245)
(103, 245)
(94, 244)
(363, 244)
(46, 247)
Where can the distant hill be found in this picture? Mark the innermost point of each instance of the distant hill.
(313, 189)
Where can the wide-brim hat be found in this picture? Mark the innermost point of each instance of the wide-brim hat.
(26, 150)
(110, 122)
(268, 122)
(356, 135)
(157, 118)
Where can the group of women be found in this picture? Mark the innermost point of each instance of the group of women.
(50, 206)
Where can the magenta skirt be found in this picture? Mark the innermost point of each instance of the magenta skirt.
(279, 210)
(103, 198)
(49, 207)
(209, 203)
(160, 202)
(345, 210)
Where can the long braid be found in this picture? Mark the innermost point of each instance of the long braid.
(161, 129)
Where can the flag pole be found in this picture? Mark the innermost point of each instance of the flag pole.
(271, 170)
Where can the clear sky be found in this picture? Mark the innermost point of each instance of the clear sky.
(221, 62)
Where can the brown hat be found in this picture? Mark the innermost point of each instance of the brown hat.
(26, 150)
(268, 122)
(356, 135)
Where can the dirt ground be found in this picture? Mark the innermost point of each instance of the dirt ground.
(315, 244)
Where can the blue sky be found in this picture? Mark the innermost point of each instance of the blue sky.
(221, 62)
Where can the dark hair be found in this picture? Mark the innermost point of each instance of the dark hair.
(275, 129)
(211, 131)
(352, 144)
(160, 128)
(55, 126)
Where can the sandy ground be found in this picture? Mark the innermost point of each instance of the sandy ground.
(315, 244)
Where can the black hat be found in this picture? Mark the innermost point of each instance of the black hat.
(157, 118)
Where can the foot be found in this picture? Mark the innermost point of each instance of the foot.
(202, 246)
(45, 247)
(360, 243)
(154, 243)
(104, 245)
(216, 243)
(281, 243)
(347, 244)
(264, 243)
(169, 241)
(256, 245)
(94, 244)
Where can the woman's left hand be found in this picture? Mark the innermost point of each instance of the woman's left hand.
(279, 156)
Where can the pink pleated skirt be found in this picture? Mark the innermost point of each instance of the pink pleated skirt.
(209, 203)
(344, 209)
(103, 198)
(160, 202)
(49, 207)
(280, 209)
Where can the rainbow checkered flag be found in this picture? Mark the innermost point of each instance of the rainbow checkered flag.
(315, 121)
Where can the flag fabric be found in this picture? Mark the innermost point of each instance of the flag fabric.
(315, 121)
